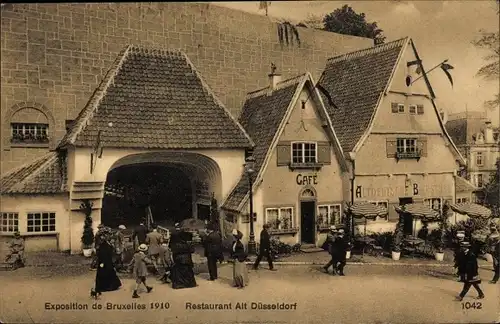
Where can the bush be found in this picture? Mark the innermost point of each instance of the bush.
(280, 248)
(88, 233)
(383, 239)
(473, 227)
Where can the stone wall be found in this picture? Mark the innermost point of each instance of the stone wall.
(56, 54)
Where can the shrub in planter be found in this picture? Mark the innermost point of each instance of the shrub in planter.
(88, 233)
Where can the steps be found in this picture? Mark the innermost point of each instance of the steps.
(310, 248)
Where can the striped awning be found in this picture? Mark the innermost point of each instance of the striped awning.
(471, 210)
(419, 210)
(367, 210)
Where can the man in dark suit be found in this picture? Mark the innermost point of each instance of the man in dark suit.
(140, 233)
(213, 250)
(330, 240)
(265, 249)
(469, 263)
(339, 253)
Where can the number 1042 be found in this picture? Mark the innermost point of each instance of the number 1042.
(473, 305)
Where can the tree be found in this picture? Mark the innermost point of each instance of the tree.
(492, 192)
(88, 232)
(346, 21)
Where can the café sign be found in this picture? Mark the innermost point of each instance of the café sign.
(304, 180)
(400, 191)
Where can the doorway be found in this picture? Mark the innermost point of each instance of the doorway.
(408, 218)
(307, 224)
(203, 212)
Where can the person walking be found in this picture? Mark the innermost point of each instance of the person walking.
(154, 241)
(239, 256)
(340, 250)
(106, 278)
(140, 234)
(140, 269)
(101, 231)
(264, 249)
(471, 272)
(213, 250)
(494, 246)
(182, 274)
(458, 255)
(330, 240)
(120, 248)
(165, 260)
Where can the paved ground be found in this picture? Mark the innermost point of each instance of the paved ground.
(368, 294)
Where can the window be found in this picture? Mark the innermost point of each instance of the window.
(41, 222)
(462, 200)
(280, 218)
(30, 133)
(479, 158)
(479, 180)
(9, 222)
(329, 215)
(397, 107)
(304, 153)
(245, 218)
(383, 203)
(434, 203)
(420, 109)
(412, 109)
(406, 145)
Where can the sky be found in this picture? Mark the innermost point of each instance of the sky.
(440, 29)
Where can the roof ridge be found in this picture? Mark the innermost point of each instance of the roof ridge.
(280, 85)
(367, 51)
(41, 168)
(215, 98)
(87, 112)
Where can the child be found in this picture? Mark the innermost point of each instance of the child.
(165, 259)
(140, 270)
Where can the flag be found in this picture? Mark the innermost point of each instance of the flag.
(327, 95)
(445, 67)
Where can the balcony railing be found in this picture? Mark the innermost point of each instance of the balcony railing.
(314, 165)
(408, 155)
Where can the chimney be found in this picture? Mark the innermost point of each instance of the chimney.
(274, 78)
(488, 133)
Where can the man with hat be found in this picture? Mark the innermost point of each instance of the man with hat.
(339, 252)
(471, 271)
(212, 244)
(330, 240)
(140, 233)
(494, 246)
(154, 240)
(264, 249)
(458, 255)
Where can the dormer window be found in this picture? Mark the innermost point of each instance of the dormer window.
(304, 152)
(29, 133)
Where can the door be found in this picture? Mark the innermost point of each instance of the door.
(307, 210)
(408, 219)
(203, 212)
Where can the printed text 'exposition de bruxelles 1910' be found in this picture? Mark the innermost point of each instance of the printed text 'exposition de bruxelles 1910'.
(165, 306)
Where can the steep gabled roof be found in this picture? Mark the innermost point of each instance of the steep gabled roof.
(264, 115)
(155, 99)
(45, 175)
(356, 81)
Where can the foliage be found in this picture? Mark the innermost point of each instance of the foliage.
(346, 21)
(492, 192)
(474, 229)
(383, 239)
(88, 233)
(397, 239)
(490, 42)
(288, 34)
(279, 248)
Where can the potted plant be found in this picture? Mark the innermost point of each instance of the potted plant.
(88, 232)
(439, 246)
(440, 242)
(398, 237)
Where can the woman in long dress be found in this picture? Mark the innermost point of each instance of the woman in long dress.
(240, 271)
(106, 278)
(182, 272)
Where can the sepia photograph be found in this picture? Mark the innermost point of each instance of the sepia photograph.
(250, 162)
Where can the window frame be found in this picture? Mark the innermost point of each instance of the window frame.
(462, 200)
(279, 216)
(414, 112)
(479, 157)
(245, 218)
(428, 201)
(26, 128)
(386, 205)
(302, 143)
(41, 224)
(329, 214)
(5, 228)
(404, 139)
(401, 108)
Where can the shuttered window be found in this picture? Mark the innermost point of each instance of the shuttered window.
(422, 146)
(394, 107)
(420, 109)
(391, 146)
(284, 156)
(324, 156)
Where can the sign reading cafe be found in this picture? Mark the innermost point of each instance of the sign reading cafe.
(305, 180)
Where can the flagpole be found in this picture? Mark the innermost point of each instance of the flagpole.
(420, 77)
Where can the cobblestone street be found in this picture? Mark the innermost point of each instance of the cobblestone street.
(368, 294)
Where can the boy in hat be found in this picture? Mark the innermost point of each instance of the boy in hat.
(140, 270)
(470, 266)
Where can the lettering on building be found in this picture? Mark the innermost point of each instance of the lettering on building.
(400, 191)
(305, 180)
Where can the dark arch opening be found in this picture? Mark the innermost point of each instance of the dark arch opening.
(130, 189)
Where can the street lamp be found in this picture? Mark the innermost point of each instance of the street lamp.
(250, 170)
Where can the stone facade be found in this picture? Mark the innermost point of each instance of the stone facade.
(54, 55)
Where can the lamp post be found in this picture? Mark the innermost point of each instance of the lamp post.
(250, 170)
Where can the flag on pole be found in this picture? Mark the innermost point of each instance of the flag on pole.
(445, 67)
(326, 94)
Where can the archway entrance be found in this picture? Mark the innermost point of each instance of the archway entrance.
(132, 189)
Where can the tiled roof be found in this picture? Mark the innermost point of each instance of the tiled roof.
(462, 130)
(155, 99)
(355, 81)
(462, 185)
(261, 116)
(46, 175)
